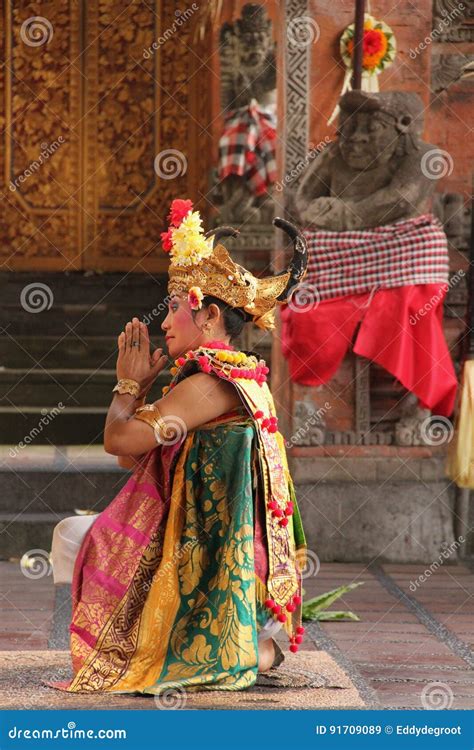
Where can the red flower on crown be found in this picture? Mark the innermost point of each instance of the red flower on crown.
(179, 209)
(166, 241)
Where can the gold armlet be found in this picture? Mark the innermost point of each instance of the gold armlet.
(150, 414)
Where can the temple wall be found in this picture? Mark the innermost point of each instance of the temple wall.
(386, 502)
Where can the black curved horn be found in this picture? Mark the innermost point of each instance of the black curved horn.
(299, 260)
(220, 232)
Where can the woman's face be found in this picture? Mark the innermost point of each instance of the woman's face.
(182, 331)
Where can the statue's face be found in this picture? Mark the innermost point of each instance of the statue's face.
(367, 139)
(255, 47)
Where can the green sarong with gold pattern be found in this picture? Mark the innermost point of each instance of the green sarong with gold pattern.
(177, 577)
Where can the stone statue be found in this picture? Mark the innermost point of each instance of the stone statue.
(247, 57)
(248, 77)
(377, 172)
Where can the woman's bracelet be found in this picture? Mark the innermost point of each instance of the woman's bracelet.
(126, 385)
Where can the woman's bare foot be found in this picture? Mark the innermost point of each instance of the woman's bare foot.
(266, 655)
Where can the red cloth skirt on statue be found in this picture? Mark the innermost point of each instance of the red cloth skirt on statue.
(400, 329)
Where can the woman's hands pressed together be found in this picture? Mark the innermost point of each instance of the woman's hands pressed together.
(134, 359)
(193, 401)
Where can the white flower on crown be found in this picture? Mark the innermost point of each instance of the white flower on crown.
(189, 244)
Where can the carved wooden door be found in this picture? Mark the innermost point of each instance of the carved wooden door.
(101, 105)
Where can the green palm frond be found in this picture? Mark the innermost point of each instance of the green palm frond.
(316, 608)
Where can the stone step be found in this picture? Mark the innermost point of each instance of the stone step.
(99, 320)
(50, 352)
(73, 425)
(42, 485)
(61, 304)
(21, 533)
(82, 289)
(48, 388)
(60, 486)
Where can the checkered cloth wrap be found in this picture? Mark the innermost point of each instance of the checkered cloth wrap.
(247, 147)
(412, 251)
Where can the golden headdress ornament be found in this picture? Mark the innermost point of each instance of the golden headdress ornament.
(201, 265)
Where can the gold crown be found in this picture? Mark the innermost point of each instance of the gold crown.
(219, 276)
(207, 267)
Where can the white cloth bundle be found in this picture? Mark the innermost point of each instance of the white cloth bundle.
(68, 536)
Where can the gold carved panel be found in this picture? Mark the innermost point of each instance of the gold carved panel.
(102, 111)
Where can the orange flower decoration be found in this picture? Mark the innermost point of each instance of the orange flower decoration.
(375, 45)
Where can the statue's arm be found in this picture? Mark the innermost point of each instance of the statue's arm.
(402, 197)
(315, 183)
